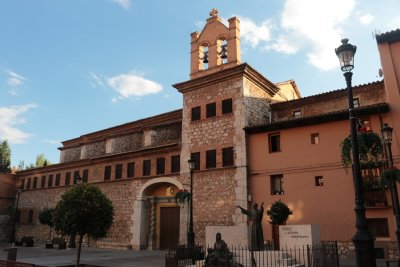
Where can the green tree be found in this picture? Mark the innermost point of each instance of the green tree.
(279, 212)
(46, 218)
(5, 157)
(41, 161)
(82, 210)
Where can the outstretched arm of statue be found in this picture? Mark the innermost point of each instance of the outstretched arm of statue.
(244, 211)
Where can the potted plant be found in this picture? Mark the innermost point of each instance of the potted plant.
(46, 218)
(390, 175)
(182, 196)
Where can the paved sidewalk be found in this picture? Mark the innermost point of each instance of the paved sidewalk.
(108, 257)
(101, 257)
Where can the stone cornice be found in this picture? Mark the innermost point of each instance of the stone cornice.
(148, 151)
(378, 85)
(123, 129)
(312, 120)
(388, 37)
(242, 70)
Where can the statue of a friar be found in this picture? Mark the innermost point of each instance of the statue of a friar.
(255, 215)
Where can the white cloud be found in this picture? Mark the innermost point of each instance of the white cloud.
(132, 85)
(11, 116)
(254, 34)
(315, 24)
(14, 79)
(366, 19)
(51, 141)
(124, 3)
(283, 45)
(95, 80)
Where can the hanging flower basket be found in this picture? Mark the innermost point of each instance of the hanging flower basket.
(370, 148)
(182, 196)
(389, 176)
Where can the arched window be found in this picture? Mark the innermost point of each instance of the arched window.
(204, 57)
(222, 51)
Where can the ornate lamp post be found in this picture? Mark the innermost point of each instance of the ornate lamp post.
(190, 233)
(363, 240)
(19, 190)
(387, 139)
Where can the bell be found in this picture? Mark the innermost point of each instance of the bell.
(224, 52)
(205, 57)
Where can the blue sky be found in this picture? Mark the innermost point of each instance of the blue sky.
(72, 67)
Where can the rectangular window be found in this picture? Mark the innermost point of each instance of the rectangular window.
(85, 176)
(50, 181)
(274, 142)
(227, 156)
(43, 182)
(378, 227)
(175, 164)
(196, 157)
(107, 173)
(211, 159)
(227, 106)
(356, 102)
(277, 184)
(196, 113)
(28, 185)
(118, 171)
(160, 165)
(131, 170)
(319, 180)
(67, 178)
(297, 114)
(34, 182)
(211, 110)
(76, 177)
(146, 167)
(315, 138)
(58, 178)
(22, 184)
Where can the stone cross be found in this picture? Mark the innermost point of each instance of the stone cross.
(213, 12)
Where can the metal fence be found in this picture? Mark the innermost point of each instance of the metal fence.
(324, 254)
(4, 263)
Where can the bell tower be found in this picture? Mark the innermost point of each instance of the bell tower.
(216, 48)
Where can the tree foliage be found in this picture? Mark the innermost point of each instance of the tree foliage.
(46, 218)
(279, 212)
(5, 157)
(41, 161)
(83, 210)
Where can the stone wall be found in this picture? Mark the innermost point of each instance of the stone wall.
(214, 200)
(167, 134)
(328, 102)
(71, 154)
(129, 142)
(96, 150)
(257, 103)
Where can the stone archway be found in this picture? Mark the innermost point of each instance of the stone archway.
(152, 198)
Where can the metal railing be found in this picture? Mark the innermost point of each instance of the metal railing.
(324, 254)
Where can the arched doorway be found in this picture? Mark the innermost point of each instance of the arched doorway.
(157, 218)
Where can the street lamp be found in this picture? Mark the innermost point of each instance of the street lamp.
(190, 233)
(13, 232)
(363, 240)
(387, 139)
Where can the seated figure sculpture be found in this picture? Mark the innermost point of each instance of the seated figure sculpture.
(219, 255)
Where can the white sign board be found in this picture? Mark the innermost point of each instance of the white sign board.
(298, 235)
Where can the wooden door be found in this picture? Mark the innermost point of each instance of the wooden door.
(169, 227)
